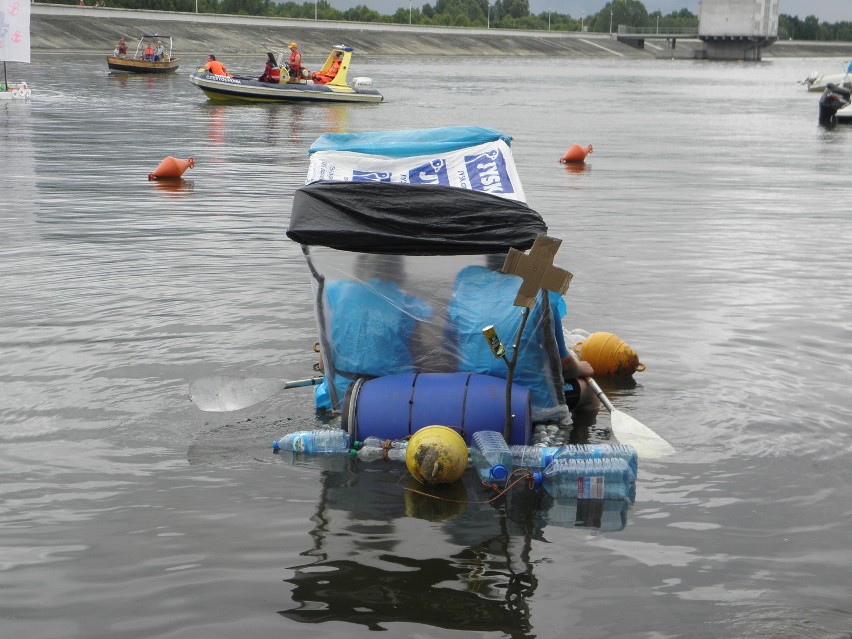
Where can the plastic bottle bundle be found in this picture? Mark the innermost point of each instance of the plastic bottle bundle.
(491, 456)
(606, 515)
(607, 478)
(533, 457)
(374, 448)
(601, 451)
(325, 440)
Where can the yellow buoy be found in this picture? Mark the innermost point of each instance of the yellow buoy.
(609, 355)
(436, 455)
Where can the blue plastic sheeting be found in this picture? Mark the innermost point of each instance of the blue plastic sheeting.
(371, 325)
(482, 296)
(399, 144)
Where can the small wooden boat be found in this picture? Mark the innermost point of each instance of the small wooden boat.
(139, 64)
(243, 88)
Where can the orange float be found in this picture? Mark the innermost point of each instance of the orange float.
(171, 168)
(608, 354)
(576, 154)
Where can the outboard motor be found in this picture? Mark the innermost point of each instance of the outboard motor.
(831, 101)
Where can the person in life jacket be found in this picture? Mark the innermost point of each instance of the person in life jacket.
(149, 51)
(121, 47)
(272, 72)
(328, 76)
(295, 62)
(215, 67)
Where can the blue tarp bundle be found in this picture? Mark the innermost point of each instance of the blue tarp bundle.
(399, 144)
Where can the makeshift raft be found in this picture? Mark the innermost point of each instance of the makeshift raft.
(405, 235)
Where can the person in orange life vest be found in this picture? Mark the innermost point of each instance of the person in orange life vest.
(272, 72)
(328, 76)
(149, 51)
(214, 66)
(295, 63)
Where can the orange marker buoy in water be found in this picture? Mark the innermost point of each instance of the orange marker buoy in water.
(576, 153)
(171, 168)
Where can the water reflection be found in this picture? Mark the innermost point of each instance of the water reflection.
(174, 185)
(388, 550)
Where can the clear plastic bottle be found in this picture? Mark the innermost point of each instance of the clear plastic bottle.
(607, 478)
(374, 453)
(533, 457)
(378, 442)
(491, 456)
(601, 451)
(325, 440)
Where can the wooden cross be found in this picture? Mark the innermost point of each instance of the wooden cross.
(537, 270)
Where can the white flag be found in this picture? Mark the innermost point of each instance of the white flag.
(15, 30)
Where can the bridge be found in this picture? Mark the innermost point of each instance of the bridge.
(721, 47)
(729, 29)
(636, 36)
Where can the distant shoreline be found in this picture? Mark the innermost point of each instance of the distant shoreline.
(62, 28)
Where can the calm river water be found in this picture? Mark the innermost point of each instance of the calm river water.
(710, 230)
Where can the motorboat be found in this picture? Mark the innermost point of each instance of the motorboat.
(832, 100)
(139, 64)
(817, 81)
(246, 88)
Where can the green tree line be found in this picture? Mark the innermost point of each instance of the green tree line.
(501, 14)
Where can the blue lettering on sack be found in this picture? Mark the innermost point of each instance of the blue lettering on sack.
(488, 172)
(370, 176)
(435, 172)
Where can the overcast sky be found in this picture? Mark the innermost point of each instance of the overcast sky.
(825, 10)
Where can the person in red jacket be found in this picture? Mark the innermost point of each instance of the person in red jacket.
(295, 63)
(272, 72)
(328, 76)
(214, 66)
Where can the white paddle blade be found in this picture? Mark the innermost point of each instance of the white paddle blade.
(647, 443)
(224, 393)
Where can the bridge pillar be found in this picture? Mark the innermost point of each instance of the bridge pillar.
(734, 48)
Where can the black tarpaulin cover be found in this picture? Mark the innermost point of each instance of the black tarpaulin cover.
(406, 219)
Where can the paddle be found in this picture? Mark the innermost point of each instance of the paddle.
(628, 430)
(224, 393)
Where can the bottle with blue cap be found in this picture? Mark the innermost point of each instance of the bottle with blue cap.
(323, 440)
(533, 457)
(607, 478)
(491, 456)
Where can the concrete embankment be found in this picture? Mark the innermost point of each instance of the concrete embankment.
(64, 28)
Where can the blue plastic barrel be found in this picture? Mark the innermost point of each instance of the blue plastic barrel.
(396, 406)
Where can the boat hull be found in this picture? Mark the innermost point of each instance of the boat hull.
(223, 88)
(821, 82)
(131, 65)
(16, 91)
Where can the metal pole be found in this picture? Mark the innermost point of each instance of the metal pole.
(196, 6)
(488, 24)
(548, 19)
(315, 9)
(409, 13)
(582, 16)
(610, 22)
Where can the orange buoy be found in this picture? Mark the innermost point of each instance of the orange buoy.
(576, 153)
(609, 355)
(171, 168)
